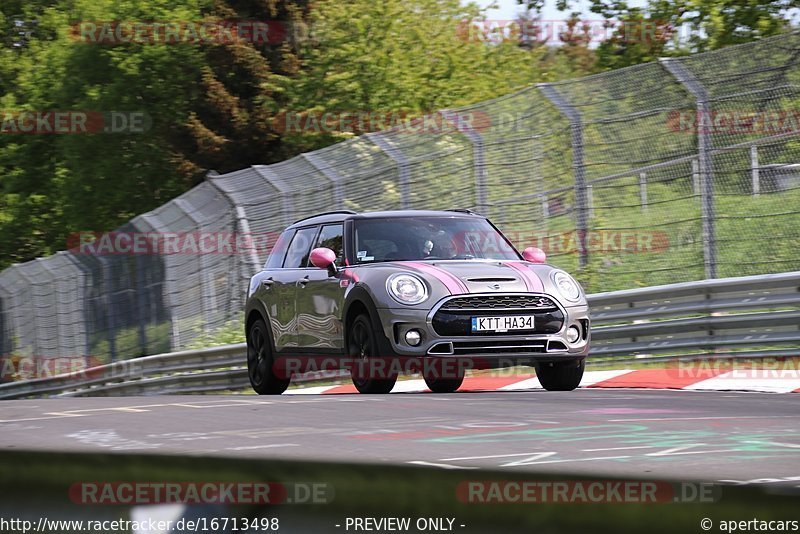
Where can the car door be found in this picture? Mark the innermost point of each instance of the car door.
(319, 298)
(283, 311)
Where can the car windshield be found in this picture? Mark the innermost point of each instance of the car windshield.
(429, 238)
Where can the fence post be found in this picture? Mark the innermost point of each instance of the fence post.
(578, 167)
(34, 318)
(754, 170)
(478, 157)
(643, 189)
(705, 168)
(545, 211)
(538, 177)
(401, 161)
(87, 323)
(168, 286)
(7, 334)
(240, 221)
(207, 303)
(590, 201)
(328, 172)
(110, 309)
(140, 301)
(286, 193)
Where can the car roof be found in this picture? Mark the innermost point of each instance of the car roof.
(339, 216)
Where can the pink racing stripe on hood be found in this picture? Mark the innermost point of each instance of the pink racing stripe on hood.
(453, 284)
(533, 282)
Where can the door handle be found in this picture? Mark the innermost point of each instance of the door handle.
(303, 281)
(267, 282)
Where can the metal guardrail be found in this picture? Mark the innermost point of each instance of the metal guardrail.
(745, 317)
(192, 371)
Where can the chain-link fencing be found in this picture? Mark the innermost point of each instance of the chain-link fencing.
(677, 170)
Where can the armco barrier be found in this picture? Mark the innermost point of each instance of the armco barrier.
(744, 317)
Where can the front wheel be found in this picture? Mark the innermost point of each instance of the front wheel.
(362, 347)
(438, 381)
(560, 376)
(260, 362)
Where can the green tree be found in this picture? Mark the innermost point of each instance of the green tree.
(711, 24)
(412, 57)
(208, 107)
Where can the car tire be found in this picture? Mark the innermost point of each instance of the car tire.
(438, 383)
(260, 362)
(362, 348)
(560, 376)
(444, 385)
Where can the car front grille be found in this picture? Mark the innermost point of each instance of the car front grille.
(500, 303)
(454, 317)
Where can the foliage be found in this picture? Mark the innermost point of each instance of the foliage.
(214, 106)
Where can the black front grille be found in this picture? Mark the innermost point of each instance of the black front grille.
(500, 302)
(454, 317)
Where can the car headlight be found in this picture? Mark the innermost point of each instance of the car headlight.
(567, 287)
(407, 288)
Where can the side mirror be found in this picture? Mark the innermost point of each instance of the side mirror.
(323, 258)
(534, 255)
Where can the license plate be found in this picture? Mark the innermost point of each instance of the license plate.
(502, 324)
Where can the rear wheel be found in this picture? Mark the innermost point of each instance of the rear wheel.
(560, 376)
(260, 362)
(367, 373)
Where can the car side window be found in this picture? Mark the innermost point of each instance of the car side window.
(331, 237)
(297, 256)
(278, 252)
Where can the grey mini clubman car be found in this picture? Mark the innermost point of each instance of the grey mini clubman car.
(434, 292)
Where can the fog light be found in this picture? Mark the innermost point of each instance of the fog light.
(413, 337)
(573, 334)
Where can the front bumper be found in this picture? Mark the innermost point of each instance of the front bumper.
(547, 342)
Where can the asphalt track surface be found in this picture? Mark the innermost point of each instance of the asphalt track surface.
(739, 438)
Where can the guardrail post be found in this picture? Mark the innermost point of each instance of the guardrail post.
(478, 156)
(578, 167)
(754, 170)
(402, 166)
(705, 168)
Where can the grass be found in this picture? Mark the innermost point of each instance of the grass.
(754, 235)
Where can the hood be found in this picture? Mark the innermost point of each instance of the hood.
(479, 276)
